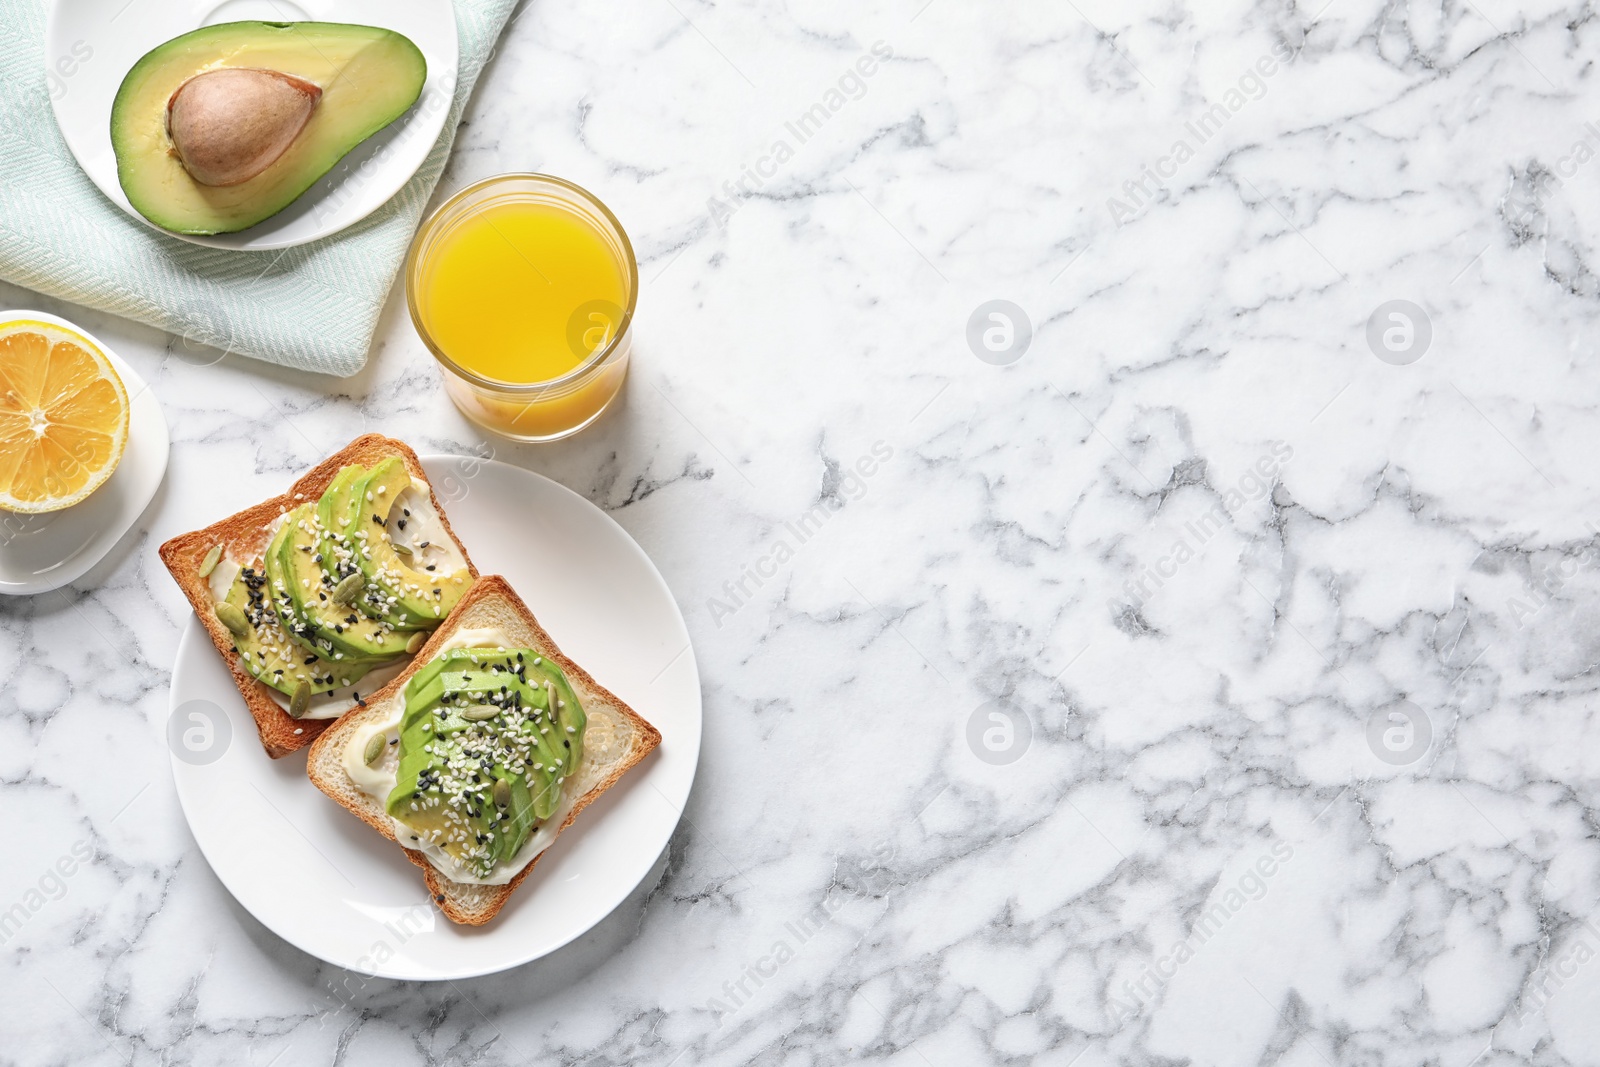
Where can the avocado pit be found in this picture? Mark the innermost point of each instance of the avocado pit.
(230, 124)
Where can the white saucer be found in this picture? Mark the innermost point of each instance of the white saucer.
(90, 45)
(328, 883)
(43, 552)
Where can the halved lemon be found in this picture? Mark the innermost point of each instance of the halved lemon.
(63, 417)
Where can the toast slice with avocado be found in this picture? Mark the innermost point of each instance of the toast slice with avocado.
(318, 596)
(481, 752)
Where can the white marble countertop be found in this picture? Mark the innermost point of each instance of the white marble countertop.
(1193, 548)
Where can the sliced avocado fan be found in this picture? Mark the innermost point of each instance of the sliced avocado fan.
(315, 611)
(487, 740)
(398, 593)
(307, 613)
(338, 581)
(270, 656)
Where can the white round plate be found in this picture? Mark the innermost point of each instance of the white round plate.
(328, 883)
(43, 552)
(90, 45)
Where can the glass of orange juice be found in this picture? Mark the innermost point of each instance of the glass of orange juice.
(523, 286)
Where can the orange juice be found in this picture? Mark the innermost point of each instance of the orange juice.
(504, 285)
(523, 287)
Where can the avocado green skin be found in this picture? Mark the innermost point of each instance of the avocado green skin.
(223, 37)
(377, 556)
(326, 674)
(432, 713)
(318, 623)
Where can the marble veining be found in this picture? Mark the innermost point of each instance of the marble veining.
(1196, 669)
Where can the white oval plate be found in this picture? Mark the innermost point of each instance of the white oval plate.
(43, 552)
(329, 884)
(90, 45)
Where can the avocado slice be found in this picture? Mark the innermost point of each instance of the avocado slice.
(400, 594)
(218, 129)
(462, 658)
(336, 510)
(475, 718)
(268, 654)
(304, 593)
(334, 505)
(500, 676)
(439, 705)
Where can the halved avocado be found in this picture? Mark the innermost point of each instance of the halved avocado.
(253, 142)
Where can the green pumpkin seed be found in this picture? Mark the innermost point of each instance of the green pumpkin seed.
(300, 703)
(231, 617)
(402, 548)
(345, 593)
(480, 713)
(209, 564)
(502, 793)
(418, 639)
(374, 749)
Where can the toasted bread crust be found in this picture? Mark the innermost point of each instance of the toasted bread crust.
(472, 904)
(244, 537)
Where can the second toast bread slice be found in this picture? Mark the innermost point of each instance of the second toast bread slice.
(615, 740)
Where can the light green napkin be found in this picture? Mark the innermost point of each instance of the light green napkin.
(313, 307)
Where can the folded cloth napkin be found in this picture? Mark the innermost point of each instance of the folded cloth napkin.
(313, 307)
